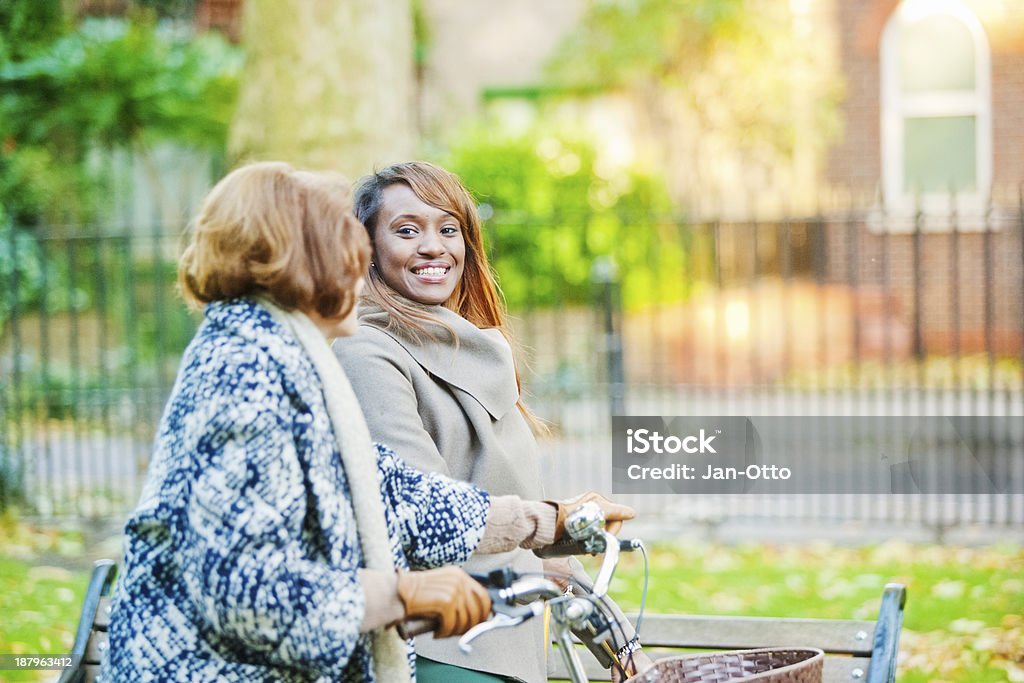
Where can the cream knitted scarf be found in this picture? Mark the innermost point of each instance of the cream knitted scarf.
(390, 661)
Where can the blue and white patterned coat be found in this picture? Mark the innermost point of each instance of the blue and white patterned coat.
(242, 555)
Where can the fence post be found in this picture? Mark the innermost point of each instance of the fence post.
(7, 483)
(11, 447)
(1020, 224)
(605, 274)
(918, 275)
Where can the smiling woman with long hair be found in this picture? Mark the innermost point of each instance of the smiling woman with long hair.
(432, 365)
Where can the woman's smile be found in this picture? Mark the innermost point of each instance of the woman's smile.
(419, 250)
(432, 272)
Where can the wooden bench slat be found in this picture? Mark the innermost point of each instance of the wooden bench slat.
(845, 669)
(102, 620)
(96, 646)
(92, 672)
(739, 633)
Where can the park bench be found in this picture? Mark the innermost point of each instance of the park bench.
(855, 651)
(91, 636)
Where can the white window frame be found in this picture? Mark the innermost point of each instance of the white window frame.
(896, 106)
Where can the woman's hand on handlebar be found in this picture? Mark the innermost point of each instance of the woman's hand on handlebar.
(614, 513)
(448, 596)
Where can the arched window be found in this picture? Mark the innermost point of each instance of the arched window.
(936, 108)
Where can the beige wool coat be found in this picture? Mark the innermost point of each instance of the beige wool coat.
(452, 409)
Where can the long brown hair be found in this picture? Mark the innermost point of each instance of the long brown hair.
(477, 297)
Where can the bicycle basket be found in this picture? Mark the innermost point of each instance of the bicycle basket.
(764, 665)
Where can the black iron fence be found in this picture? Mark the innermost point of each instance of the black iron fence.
(845, 314)
(92, 331)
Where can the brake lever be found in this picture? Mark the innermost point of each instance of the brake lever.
(608, 564)
(501, 619)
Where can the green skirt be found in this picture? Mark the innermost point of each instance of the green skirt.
(429, 671)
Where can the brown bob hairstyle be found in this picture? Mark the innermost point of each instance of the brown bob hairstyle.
(268, 228)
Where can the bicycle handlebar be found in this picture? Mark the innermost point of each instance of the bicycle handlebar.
(571, 548)
(507, 591)
(587, 536)
(417, 626)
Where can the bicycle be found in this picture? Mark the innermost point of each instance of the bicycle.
(517, 597)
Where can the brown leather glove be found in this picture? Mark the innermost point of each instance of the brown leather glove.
(447, 595)
(614, 513)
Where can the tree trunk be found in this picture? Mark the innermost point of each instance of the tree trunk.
(327, 84)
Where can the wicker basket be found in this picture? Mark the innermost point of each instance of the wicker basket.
(774, 665)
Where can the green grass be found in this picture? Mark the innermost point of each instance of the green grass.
(963, 617)
(42, 583)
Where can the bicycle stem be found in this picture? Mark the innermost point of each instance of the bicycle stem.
(563, 636)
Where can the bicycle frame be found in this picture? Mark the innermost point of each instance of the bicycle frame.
(569, 612)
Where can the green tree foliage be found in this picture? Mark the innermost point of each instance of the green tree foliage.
(327, 84)
(620, 42)
(552, 209)
(741, 82)
(70, 93)
(21, 269)
(24, 26)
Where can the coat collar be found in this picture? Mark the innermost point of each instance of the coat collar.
(479, 363)
(248, 319)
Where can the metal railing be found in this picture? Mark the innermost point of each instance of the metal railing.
(841, 314)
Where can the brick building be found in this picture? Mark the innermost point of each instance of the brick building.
(934, 128)
(959, 63)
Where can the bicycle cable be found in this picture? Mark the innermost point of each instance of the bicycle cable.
(643, 594)
(613, 622)
(643, 604)
(609, 613)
